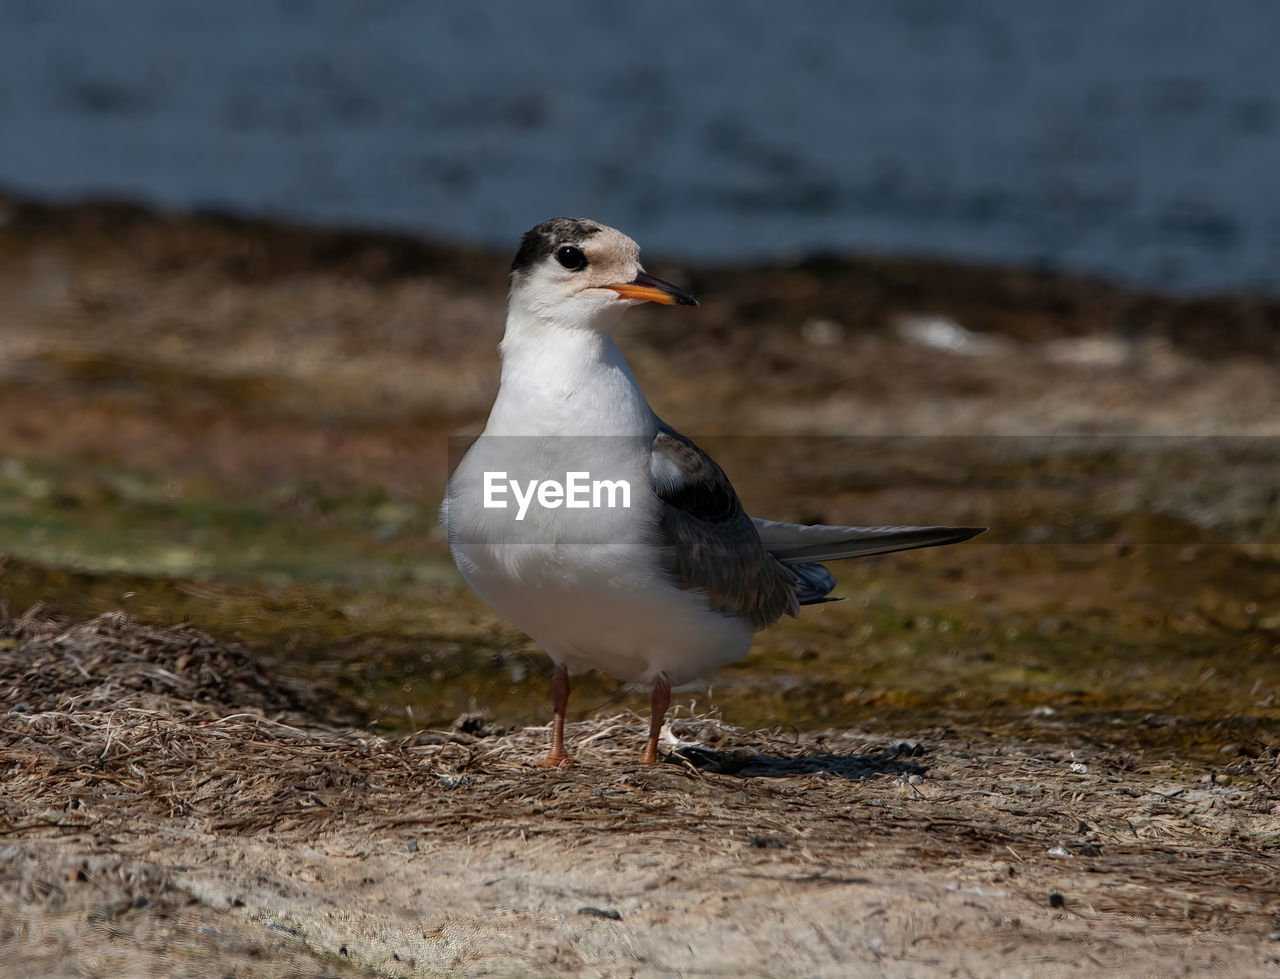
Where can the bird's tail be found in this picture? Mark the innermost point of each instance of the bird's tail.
(813, 584)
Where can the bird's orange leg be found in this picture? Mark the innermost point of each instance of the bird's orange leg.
(560, 697)
(658, 703)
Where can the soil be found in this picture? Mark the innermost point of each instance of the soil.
(253, 723)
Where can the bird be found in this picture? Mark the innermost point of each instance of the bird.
(661, 590)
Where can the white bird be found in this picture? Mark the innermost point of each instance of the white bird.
(666, 588)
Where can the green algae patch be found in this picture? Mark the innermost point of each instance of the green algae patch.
(1075, 610)
(1142, 629)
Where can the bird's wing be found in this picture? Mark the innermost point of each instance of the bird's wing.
(799, 544)
(709, 543)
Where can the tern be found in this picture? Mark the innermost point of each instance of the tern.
(659, 585)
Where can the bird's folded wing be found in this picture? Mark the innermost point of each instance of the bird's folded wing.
(800, 544)
(709, 543)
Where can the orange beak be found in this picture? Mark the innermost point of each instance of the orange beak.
(646, 288)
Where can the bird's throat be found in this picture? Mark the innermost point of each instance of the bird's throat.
(558, 381)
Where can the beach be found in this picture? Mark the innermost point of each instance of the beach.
(254, 722)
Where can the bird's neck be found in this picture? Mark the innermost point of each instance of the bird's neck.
(565, 380)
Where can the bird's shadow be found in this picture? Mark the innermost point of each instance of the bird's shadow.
(752, 764)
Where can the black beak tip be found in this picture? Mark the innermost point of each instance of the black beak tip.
(678, 296)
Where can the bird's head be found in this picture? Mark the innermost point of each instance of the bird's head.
(580, 272)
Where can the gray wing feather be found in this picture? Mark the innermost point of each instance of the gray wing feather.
(709, 543)
(794, 544)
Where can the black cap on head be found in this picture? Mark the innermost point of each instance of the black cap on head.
(543, 240)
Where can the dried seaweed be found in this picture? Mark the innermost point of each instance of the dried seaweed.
(113, 733)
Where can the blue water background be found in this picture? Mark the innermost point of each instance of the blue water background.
(1136, 139)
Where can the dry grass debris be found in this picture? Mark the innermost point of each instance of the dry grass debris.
(163, 796)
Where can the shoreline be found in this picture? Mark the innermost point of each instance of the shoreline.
(1061, 301)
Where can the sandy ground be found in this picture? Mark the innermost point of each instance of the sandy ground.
(178, 804)
(153, 828)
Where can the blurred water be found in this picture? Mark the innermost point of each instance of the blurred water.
(1139, 139)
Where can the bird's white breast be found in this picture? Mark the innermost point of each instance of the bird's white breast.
(588, 584)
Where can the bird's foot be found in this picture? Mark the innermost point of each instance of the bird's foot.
(554, 760)
(650, 755)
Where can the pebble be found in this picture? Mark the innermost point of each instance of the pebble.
(612, 914)
(1218, 779)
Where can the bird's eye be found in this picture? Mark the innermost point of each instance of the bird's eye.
(571, 258)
